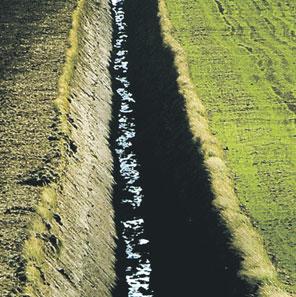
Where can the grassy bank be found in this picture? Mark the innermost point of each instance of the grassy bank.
(190, 242)
(241, 63)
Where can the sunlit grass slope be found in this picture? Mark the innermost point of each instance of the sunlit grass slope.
(242, 60)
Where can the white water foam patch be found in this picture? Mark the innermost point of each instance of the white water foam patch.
(138, 270)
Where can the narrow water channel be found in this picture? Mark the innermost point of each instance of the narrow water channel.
(136, 265)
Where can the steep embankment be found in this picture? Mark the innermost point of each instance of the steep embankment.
(242, 62)
(56, 207)
(57, 229)
(201, 240)
(190, 251)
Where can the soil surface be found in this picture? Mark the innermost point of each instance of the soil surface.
(33, 38)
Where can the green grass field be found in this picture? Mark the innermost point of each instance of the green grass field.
(242, 60)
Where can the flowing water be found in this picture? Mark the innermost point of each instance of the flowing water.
(137, 258)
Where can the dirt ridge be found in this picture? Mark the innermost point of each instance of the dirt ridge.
(65, 217)
(80, 205)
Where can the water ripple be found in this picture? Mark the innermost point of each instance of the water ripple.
(138, 268)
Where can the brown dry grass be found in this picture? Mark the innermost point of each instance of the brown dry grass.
(34, 247)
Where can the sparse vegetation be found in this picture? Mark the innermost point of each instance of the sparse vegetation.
(62, 102)
(43, 225)
(73, 229)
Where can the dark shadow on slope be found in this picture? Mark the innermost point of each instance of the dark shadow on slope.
(190, 253)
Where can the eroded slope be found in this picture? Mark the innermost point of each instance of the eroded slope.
(56, 213)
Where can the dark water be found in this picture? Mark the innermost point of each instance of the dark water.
(173, 229)
(136, 265)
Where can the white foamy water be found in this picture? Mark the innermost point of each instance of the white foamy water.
(138, 268)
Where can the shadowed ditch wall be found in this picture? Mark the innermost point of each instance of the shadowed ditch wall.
(189, 248)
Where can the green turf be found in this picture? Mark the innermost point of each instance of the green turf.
(242, 60)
